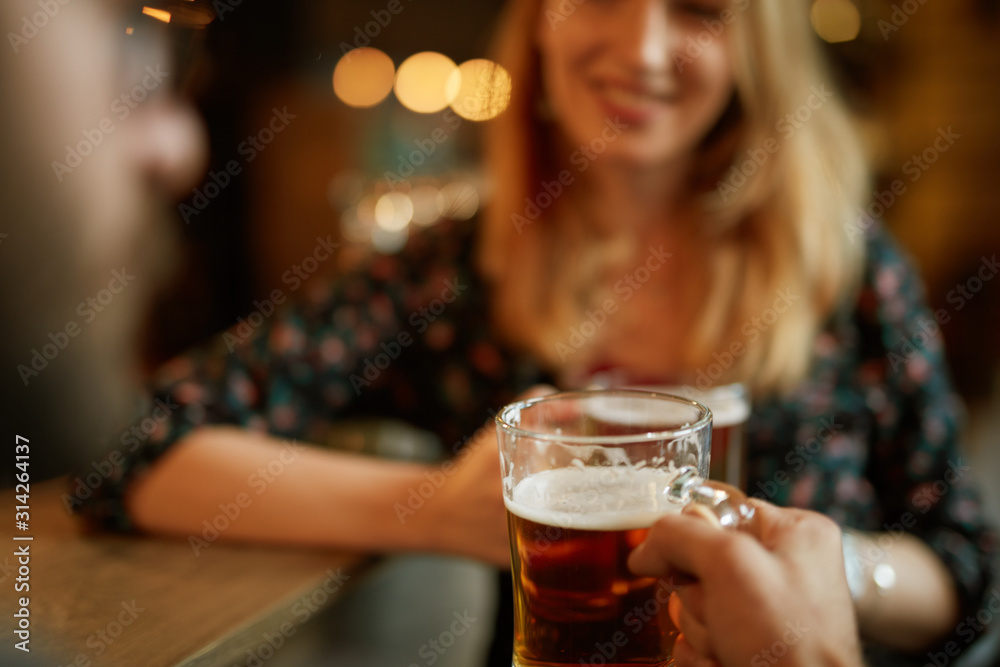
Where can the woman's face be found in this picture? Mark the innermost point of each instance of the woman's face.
(641, 81)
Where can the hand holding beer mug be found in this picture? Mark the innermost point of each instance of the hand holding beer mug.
(585, 475)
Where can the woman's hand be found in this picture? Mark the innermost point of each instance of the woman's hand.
(467, 514)
(776, 594)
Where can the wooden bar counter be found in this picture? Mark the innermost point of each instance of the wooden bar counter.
(107, 599)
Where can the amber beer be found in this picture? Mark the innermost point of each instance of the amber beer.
(576, 603)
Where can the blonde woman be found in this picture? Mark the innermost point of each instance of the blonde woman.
(739, 158)
(677, 189)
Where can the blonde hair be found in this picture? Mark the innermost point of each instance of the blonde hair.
(785, 227)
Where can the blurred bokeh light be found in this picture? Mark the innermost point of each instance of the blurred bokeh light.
(388, 242)
(460, 200)
(836, 20)
(422, 82)
(427, 205)
(158, 14)
(393, 211)
(480, 89)
(363, 77)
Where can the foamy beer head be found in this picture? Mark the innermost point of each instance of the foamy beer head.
(585, 476)
(594, 498)
(729, 404)
(614, 428)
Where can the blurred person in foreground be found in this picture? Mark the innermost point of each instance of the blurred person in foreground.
(94, 142)
(662, 211)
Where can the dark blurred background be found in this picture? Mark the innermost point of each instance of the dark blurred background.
(913, 68)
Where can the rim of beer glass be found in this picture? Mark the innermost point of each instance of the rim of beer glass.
(716, 396)
(720, 391)
(704, 419)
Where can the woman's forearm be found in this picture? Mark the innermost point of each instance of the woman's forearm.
(921, 606)
(244, 486)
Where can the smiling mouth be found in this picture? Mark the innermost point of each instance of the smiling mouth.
(634, 97)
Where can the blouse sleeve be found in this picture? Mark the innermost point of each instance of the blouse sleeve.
(923, 479)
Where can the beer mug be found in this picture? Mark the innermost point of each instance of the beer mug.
(730, 406)
(585, 474)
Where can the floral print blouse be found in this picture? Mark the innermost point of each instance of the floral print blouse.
(869, 438)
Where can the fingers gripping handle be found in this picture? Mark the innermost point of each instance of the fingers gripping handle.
(725, 503)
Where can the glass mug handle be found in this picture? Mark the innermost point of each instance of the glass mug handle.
(727, 505)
